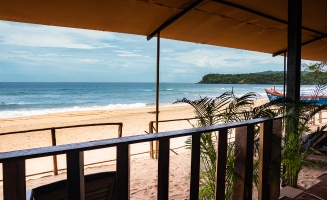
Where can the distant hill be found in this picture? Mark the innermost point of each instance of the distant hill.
(266, 77)
(268, 72)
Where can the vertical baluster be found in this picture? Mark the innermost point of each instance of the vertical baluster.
(151, 142)
(122, 168)
(14, 183)
(249, 162)
(120, 130)
(163, 169)
(195, 167)
(75, 175)
(265, 133)
(221, 164)
(54, 157)
(244, 143)
(275, 159)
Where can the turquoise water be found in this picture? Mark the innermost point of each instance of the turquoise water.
(27, 99)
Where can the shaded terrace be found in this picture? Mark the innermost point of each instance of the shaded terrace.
(294, 28)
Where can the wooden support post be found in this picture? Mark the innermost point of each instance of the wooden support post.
(122, 168)
(275, 160)
(163, 169)
(294, 37)
(195, 167)
(54, 157)
(265, 133)
(244, 145)
(151, 142)
(120, 130)
(320, 117)
(14, 183)
(75, 175)
(157, 89)
(221, 164)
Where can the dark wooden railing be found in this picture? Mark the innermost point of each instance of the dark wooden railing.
(152, 129)
(54, 140)
(14, 184)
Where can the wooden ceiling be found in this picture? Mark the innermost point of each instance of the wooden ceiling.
(243, 24)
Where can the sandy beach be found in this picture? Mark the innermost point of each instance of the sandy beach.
(135, 122)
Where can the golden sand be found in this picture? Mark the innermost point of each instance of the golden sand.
(135, 122)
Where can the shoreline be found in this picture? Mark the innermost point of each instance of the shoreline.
(50, 111)
(173, 111)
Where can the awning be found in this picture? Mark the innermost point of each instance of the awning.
(243, 24)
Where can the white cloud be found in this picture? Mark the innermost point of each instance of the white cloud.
(88, 60)
(127, 54)
(224, 57)
(50, 36)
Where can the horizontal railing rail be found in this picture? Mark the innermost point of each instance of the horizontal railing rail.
(14, 184)
(120, 124)
(154, 152)
(154, 148)
(54, 140)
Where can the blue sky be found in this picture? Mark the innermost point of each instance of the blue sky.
(45, 53)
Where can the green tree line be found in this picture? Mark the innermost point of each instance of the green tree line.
(307, 78)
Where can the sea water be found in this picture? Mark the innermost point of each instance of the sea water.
(28, 99)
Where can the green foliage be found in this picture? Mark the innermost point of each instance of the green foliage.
(296, 122)
(293, 158)
(224, 109)
(318, 71)
(307, 78)
(230, 108)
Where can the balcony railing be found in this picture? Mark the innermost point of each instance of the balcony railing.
(14, 184)
(54, 140)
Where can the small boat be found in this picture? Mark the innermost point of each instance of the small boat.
(274, 95)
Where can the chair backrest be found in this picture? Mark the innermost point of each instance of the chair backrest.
(99, 186)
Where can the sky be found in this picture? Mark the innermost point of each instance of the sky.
(37, 53)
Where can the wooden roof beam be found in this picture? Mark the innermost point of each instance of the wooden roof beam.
(174, 19)
(227, 3)
(302, 44)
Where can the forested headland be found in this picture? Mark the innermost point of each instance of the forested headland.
(268, 77)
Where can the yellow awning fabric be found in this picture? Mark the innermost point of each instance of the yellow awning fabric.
(212, 22)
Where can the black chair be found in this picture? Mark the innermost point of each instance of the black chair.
(99, 186)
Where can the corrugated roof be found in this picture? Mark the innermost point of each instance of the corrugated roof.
(252, 25)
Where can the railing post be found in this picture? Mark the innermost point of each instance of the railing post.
(54, 157)
(244, 145)
(14, 183)
(151, 142)
(157, 146)
(122, 168)
(265, 133)
(221, 164)
(163, 169)
(195, 167)
(75, 175)
(120, 130)
(320, 117)
(275, 160)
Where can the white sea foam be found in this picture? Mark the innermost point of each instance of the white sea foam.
(33, 112)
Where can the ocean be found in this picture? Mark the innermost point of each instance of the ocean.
(28, 99)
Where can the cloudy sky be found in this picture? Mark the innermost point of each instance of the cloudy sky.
(46, 53)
